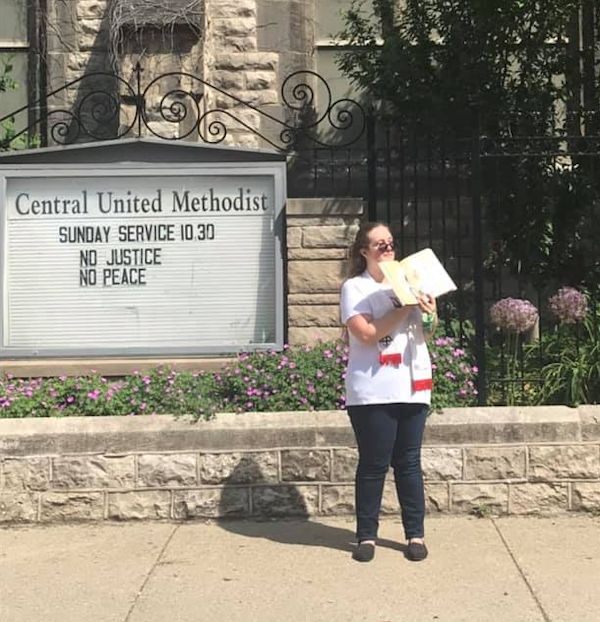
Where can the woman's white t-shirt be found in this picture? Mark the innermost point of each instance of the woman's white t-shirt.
(368, 381)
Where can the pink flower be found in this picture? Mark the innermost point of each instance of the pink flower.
(568, 305)
(514, 315)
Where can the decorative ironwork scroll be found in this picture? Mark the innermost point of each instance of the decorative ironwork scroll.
(180, 105)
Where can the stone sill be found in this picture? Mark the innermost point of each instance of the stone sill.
(259, 431)
(107, 366)
(325, 207)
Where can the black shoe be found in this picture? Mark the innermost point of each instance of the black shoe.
(364, 552)
(416, 551)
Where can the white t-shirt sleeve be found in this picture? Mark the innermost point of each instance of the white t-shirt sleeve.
(353, 301)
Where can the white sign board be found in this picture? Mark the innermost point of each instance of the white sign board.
(132, 261)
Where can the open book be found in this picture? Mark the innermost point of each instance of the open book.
(420, 273)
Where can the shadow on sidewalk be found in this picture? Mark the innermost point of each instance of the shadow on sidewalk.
(280, 514)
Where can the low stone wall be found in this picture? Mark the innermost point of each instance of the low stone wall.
(498, 460)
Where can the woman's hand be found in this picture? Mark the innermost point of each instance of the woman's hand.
(368, 330)
(428, 307)
(427, 303)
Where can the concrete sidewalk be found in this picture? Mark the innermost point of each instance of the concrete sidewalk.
(504, 569)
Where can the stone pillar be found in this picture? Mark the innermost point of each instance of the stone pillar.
(319, 232)
(288, 28)
(77, 44)
(234, 64)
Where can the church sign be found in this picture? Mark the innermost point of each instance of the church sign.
(141, 248)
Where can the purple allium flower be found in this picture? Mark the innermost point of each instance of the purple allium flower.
(568, 305)
(514, 315)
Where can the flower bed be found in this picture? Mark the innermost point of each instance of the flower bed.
(298, 378)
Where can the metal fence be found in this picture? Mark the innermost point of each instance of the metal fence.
(484, 206)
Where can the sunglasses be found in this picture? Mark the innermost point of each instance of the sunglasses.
(383, 247)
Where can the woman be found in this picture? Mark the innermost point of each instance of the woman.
(388, 390)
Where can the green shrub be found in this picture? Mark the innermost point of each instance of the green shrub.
(160, 391)
(569, 351)
(298, 378)
(9, 137)
(453, 374)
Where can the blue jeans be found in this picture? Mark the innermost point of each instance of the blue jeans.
(389, 434)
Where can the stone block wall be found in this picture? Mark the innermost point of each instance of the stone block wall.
(243, 48)
(526, 461)
(319, 232)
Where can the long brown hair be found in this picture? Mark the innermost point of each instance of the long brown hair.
(357, 264)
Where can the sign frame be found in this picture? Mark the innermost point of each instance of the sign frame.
(275, 168)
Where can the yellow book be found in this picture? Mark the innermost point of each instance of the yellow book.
(417, 274)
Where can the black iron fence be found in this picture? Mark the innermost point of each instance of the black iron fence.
(512, 217)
